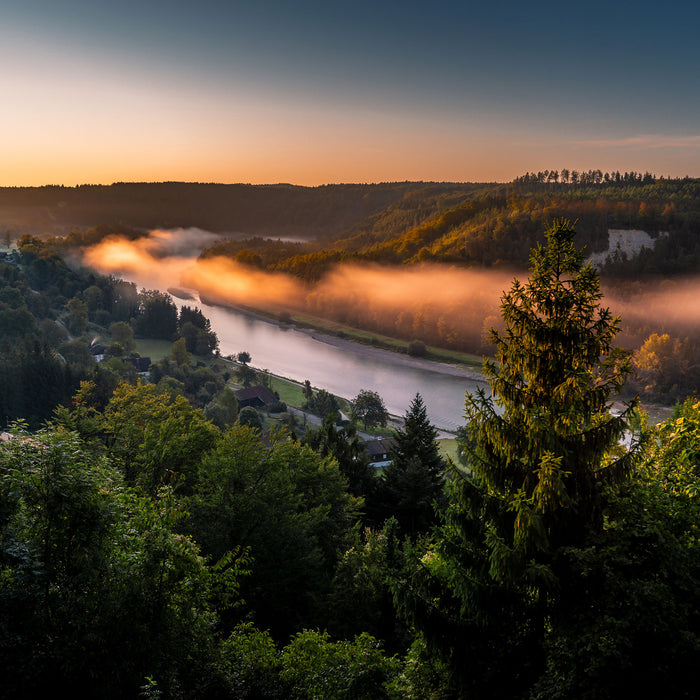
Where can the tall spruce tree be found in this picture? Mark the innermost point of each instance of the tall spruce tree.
(538, 452)
(413, 482)
(549, 448)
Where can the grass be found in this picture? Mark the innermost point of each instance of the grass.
(155, 349)
(449, 448)
(290, 392)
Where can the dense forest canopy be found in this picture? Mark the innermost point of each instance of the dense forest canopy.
(484, 224)
(256, 209)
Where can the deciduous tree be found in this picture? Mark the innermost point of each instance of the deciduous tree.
(123, 334)
(369, 407)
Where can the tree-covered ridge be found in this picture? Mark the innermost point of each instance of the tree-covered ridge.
(254, 209)
(499, 226)
(469, 224)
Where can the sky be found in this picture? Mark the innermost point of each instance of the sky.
(313, 93)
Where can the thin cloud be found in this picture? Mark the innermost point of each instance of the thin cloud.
(645, 141)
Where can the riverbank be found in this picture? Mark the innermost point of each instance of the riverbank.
(337, 334)
(397, 357)
(463, 365)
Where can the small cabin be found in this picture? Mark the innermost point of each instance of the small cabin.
(255, 396)
(141, 364)
(379, 451)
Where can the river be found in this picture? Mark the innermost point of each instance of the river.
(346, 369)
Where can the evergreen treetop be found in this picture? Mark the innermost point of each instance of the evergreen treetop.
(538, 454)
(545, 443)
(413, 484)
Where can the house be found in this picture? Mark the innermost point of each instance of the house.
(141, 364)
(379, 451)
(255, 396)
(97, 350)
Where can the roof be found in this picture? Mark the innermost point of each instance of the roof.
(141, 364)
(256, 392)
(379, 446)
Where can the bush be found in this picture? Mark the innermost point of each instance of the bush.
(250, 417)
(416, 348)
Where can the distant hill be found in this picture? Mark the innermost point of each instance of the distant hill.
(272, 210)
(498, 225)
(472, 225)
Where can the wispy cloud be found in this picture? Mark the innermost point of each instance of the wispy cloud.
(645, 141)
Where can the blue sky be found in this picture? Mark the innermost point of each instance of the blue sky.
(312, 92)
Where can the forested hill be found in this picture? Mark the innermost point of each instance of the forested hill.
(487, 224)
(271, 210)
(496, 225)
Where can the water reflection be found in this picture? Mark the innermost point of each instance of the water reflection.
(285, 351)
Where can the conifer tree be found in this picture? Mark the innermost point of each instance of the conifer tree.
(538, 453)
(543, 447)
(413, 482)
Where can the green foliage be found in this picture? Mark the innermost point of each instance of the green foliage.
(285, 504)
(323, 404)
(250, 665)
(123, 334)
(179, 353)
(667, 367)
(545, 454)
(538, 457)
(310, 666)
(412, 485)
(223, 409)
(361, 599)
(77, 354)
(157, 315)
(315, 668)
(34, 379)
(345, 446)
(369, 408)
(245, 375)
(243, 357)
(631, 622)
(76, 317)
(249, 417)
(97, 591)
(199, 341)
(155, 439)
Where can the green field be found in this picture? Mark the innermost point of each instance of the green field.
(155, 349)
(290, 392)
(449, 448)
